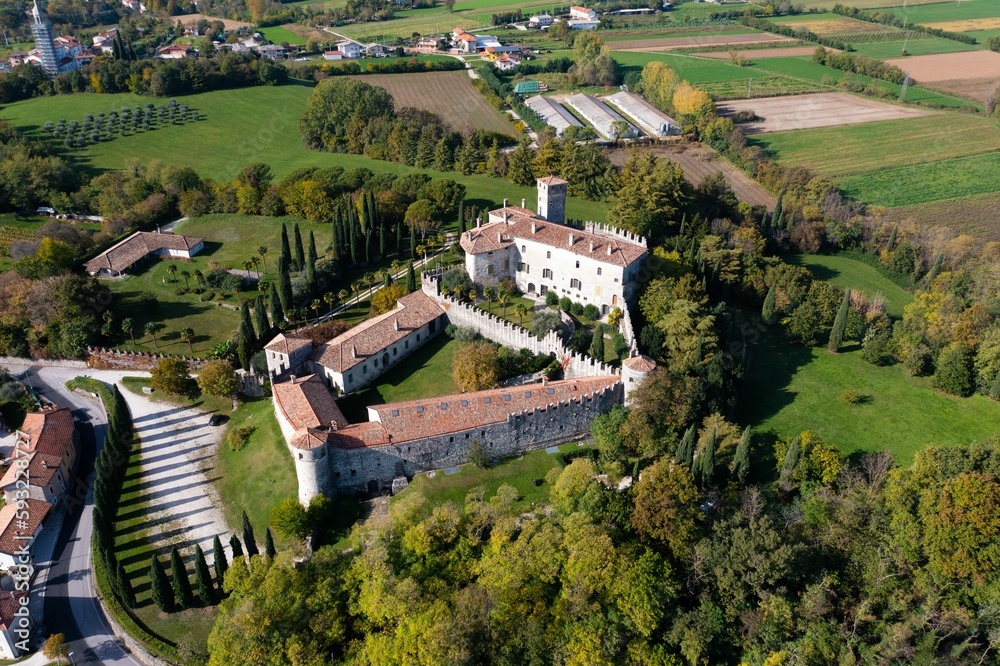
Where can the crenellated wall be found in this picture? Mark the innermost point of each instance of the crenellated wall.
(614, 232)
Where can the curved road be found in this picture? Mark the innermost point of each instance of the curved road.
(70, 605)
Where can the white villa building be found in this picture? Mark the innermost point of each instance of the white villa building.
(595, 265)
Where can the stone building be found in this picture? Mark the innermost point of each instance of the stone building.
(595, 265)
(48, 440)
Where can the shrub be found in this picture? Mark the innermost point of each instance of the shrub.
(180, 291)
(875, 347)
(565, 304)
(207, 296)
(577, 309)
(237, 437)
(918, 361)
(853, 397)
(543, 322)
(551, 298)
(954, 370)
(477, 455)
(591, 312)
(461, 333)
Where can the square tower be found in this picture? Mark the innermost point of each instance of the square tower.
(552, 199)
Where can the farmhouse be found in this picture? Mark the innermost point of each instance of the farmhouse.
(541, 21)
(581, 24)
(594, 265)
(48, 440)
(652, 121)
(582, 13)
(174, 52)
(606, 121)
(553, 113)
(273, 51)
(117, 259)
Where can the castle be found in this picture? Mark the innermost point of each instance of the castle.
(402, 439)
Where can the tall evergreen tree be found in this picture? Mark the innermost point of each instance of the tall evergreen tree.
(269, 548)
(767, 312)
(596, 350)
(163, 594)
(741, 459)
(995, 388)
(179, 580)
(311, 255)
(706, 462)
(248, 538)
(236, 547)
(274, 305)
(245, 347)
(399, 237)
(299, 256)
(246, 320)
(335, 235)
(411, 278)
(461, 217)
(840, 323)
(685, 449)
(935, 267)
(892, 238)
(203, 579)
(413, 243)
(220, 564)
(260, 323)
(125, 591)
(286, 252)
(791, 221)
(352, 235)
(284, 287)
(776, 214)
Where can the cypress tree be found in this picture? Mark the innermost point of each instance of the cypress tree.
(244, 344)
(892, 238)
(236, 547)
(791, 457)
(269, 548)
(125, 592)
(203, 579)
(413, 243)
(179, 578)
(776, 215)
(248, 538)
(274, 305)
(461, 217)
(767, 312)
(995, 388)
(706, 462)
(683, 228)
(335, 235)
(692, 252)
(596, 350)
(299, 256)
(840, 323)
(163, 594)
(261, 325)
(286, 253)
(369, 243)
(284, 287)
(246, 321)
(221, 565)
(311, 255)
(936, 267)
(352, 235)
(411, 278)
(685, 450)
(399, 237)
(791, 221)
(741, 459)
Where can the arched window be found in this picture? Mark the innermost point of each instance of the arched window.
(578, 264)
(524, 248)
(598, 271)
(548, 255)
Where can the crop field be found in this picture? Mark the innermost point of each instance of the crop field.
(613, 37)
(811, 111)
(219, 145)
(921, 183)
(947, 11)
(967, 25)
(760, 86)
(669, 43)
(863, 4)
(950, 66)
(690, 68)
(449, 95)
(752, 54)
(916, 45)
(829, 24)
(975, 215)
(858, 149)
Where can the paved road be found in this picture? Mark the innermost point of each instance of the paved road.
(70, 606)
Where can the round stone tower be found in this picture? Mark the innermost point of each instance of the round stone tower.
(312, 465)
(635, 369)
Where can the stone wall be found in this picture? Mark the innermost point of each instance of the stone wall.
(373, 469)
(116, 359)
(625, 326)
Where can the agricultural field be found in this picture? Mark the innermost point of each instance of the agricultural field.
(938, 12)
(830, 24)
(915, 45)
(772, 85)
(280, 34)
(690, 68)
(668, 43)
(950, 66)
(921, 183)
(218, 146)
(975, 215)
(753, 54)
(862, 4)
(437, 92)
(811, 111)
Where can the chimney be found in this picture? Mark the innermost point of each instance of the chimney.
(354, 351)
(505, 203)
(479, 222)
(534, 227)
(293, 378)
(499, 237)
(591, 246)
(571, 239)
(395, 323)
(333, 426)
(524, 203)
(610, 250)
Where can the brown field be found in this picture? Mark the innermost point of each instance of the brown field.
(756, 54)
(951, 66)
(865, 4)
(667, 43)
(976, 215)
(837, 26)
(975, 89)
(308, 32)
(815, 110)
(699, 161)
(449, 95)
(967, 25)
(188, 19)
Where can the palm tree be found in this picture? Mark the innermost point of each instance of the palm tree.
(198, 276)
(356, 287)
(262, 250)
(396, 266)
(315, 306)
(370, 281)
(472, 296)
(520, 310)
(150, 329)
(186, 276)
(247, 265)
(422, 251)
(503, 298)
(255, 260)
(489, 293)
(187, 335)
(127, 326)
(343, 294)
(171, 270)
(329, 298)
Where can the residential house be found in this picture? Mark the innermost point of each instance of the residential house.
(13, 623)
(333, 55)
(375, 50)
(48, 441)
(541, 21)
(582, 13)
(17, 533)
(122, 256)
(174, 52)
(273, 51)
(350, 49)
(426, 44)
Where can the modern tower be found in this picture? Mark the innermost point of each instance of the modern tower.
(41, 30)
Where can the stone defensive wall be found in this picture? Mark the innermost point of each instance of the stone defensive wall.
(100, 358)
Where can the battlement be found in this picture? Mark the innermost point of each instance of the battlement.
(609, 231)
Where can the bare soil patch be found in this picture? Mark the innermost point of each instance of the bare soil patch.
(667, 43)
(698, 162)
(796, 112)
(449, 95)
(951, 66)
(188, 19)
(756, 54)
(975, 215)
(967, 25)
(975, 89)
(835, 26)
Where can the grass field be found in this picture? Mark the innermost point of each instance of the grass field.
(221, 144)
(863, 4)
(235, 238)
(918, 45)
(975, 215)
(526, 474)
(947, 11)
(690, 68)
(856, 149)
(922, 183)
(437, 92)
(847, 273)
(829, 24)
(280, 35)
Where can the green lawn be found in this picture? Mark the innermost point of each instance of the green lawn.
(947, 11)
(235, 238)
(280, 35)
(220, 144)
(496, 309)
(526, 474)
(914, 46)
(847, 273)
(908, 185)
(791, 389)
(690, 68)
(426, 373)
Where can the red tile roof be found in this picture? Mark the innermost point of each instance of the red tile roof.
(9, 603)
(306, 403)
(286, 344)
(553, 180)
(598, 247)
(41, 468)
(372, 337)
(138, 245)
(50, 431)
(432, 417)
(11, 529)
(640, 363)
